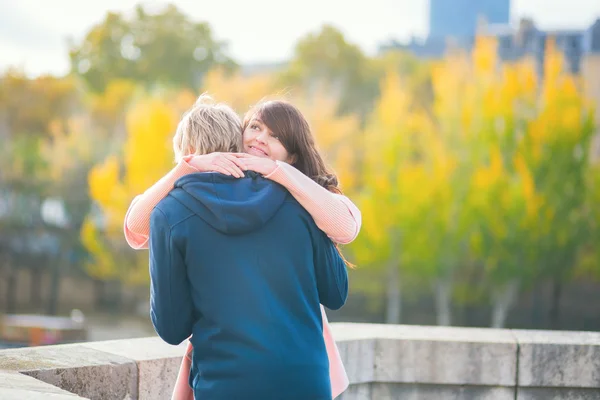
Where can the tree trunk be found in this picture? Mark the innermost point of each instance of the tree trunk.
(503, 300)
(443, 301)
(537, 318)
(555, 304)
(54, 288)
(394, 299)
(35, 287)
(99, 294)
(11, 290)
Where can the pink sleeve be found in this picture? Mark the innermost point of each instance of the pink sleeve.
(333, 213)
(137, 219)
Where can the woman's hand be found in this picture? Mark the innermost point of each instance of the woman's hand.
(226, 163)
(262, 165)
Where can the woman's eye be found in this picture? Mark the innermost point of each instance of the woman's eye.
(253, 126)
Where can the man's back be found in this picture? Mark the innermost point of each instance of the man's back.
(251, 270)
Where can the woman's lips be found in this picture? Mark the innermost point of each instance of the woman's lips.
(257, 152)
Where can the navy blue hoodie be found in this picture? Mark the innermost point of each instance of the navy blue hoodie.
(242, 266)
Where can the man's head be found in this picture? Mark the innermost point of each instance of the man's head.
(207, 127)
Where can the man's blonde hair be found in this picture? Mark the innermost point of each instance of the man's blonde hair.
(207, 127)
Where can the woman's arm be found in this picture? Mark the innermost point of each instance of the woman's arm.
(333, 213)
(137, 219)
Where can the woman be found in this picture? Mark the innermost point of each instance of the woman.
(280, 146)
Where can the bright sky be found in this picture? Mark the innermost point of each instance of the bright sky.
(33, 33)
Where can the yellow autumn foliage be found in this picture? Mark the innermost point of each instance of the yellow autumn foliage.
(461, 184)
(147, 156)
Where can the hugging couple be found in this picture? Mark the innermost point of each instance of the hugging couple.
(243, 236)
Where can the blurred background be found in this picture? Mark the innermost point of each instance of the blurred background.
(465, 130)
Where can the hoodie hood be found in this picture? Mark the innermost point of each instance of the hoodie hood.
(230, 205)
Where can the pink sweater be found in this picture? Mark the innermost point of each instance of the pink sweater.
(334, 214)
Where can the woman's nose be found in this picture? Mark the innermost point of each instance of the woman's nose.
(262, 137)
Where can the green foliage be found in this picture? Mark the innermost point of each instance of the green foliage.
(166, 48)
(326, 59)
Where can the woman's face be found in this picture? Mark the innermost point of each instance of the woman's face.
(260, 141)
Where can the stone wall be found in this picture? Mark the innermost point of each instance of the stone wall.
(382, 361)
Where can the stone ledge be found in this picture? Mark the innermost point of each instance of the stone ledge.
(428, 355)
(16, 386)
(559, 359)
(557, 394)
(382, 361)
(388, 391)
(157, 363)
(76, 368)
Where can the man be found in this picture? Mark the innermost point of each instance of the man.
(240, 266)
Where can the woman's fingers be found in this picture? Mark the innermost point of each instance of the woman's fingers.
(236, 161)
(234, 164)
(261, 165)
(221, 170)
(233, 169)
(250, 164)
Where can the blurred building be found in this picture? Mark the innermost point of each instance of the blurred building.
(525, 39)
(453, 24)
(458, 18)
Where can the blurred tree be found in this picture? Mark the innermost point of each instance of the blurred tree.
(28, 110)
(240, 91)
(147, 155)
(42, 204)
(486, 217)
(108, 109)
(559, 150)
(27, 106)
(23, 237)
(326, 60)
(465, 194)
(588, 267)
(520, 150)
(69, 153)
(166, 48)
(395, 188)
(415, 73)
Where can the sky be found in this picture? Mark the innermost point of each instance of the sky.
(34, 34)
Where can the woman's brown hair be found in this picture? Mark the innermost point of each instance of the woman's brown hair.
(289, 125)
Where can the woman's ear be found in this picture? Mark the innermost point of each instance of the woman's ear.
(292, 158)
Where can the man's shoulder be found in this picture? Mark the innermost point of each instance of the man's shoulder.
(172, 211)
(291, 207)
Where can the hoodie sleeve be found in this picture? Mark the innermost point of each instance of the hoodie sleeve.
(137, 220)
(333, 213)
(330, 268)
(171, 307)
